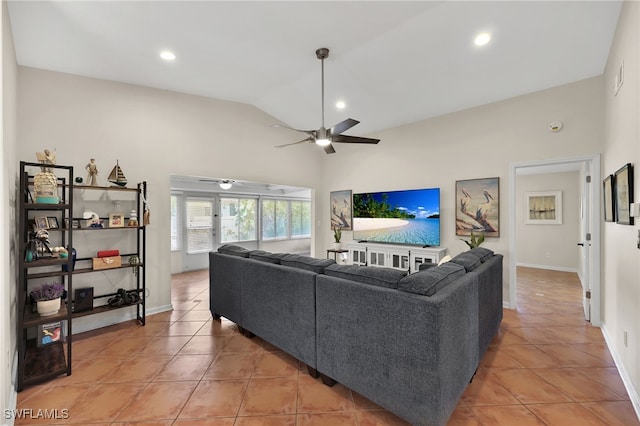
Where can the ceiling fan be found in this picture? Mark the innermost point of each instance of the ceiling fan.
(323, 136)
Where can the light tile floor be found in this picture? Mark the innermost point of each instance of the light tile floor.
(547, 366)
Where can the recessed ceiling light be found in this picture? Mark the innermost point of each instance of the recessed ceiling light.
(167, 55)
(482, 39)
(340, 105)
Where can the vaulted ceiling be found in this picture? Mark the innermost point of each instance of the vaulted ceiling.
(391, 62)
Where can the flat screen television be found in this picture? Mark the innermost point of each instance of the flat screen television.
(398, 217)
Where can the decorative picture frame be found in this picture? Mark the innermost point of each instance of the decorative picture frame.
(41, 222)
(341, 210)
(607, 194)
(116, 220)
(478, 207)
(543, 208)
(623, 192)
(52, 222)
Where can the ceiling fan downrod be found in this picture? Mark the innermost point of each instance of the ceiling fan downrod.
(322, 54)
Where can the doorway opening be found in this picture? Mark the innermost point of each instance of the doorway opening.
(585, 217)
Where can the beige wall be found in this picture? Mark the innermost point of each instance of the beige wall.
(8, 238)
(153, 134)
(476, 143)
(549, 246)
(621, 260)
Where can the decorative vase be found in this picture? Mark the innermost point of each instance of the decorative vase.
(337, 246)
(48, 307)
(46, 188)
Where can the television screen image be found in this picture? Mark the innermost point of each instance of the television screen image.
(399, 217)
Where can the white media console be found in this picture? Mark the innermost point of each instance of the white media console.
(404, 258)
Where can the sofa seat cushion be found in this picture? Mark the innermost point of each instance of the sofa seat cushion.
(484, 253)
(305, 262)
(430, 281)
(234, 250)
(383, 277)
(470, 260)
(265, 256)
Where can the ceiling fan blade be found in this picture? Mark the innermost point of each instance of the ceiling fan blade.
(343, 126)
(329, 149)
(353, 139)
(309, 132)
(309, 139)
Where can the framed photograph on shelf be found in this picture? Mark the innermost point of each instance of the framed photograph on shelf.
(116, 220)
(543, 208)
(607, 193)
(52, 222)
(623, 191)
(478, 207)
(341, 212)
(41, 223)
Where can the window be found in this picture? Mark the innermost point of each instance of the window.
(238, 219)
(282, 219)
(176, 234)
(275, 219)
(300, 219)
(199, 225)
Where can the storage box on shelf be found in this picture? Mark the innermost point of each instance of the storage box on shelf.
(38, 363)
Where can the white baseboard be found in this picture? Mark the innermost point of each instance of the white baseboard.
(634, 395)
(548, 267)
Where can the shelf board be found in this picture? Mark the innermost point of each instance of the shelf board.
(106, 188)
(101, 309)
(44, 363)
(106, 228)
(32, 319)
(41, 206)
(51, 261)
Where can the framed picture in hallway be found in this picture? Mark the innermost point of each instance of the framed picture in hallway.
(623, 190)
(478, 207)
(341, 210)
(543, 208)
(607, 193)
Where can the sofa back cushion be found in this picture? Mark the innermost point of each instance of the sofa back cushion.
(430, 281)
(305, 262)
(484, 253)
(383, 277)
(233, 250)
(468, 260)
(265, 256)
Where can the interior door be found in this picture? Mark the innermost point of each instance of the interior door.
(584, 246)
(199, 232)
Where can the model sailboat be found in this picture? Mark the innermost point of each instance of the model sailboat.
(117, 176)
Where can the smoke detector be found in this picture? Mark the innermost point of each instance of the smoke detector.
(555, 126)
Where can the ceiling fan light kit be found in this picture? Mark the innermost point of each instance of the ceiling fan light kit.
(327, 137)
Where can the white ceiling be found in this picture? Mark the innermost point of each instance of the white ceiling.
(392, 62)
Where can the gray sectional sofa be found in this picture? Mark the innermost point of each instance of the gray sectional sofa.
(410, 343)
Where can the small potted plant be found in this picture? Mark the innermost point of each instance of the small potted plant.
(337, 236)
(47, 298)
(475, 240)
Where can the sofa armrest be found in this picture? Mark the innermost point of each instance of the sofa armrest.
(225, 275)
